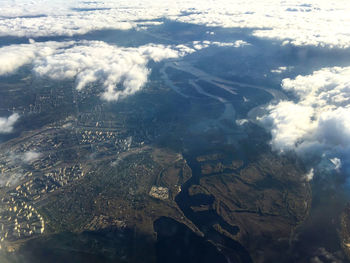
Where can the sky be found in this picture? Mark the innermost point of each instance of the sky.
(316, 120)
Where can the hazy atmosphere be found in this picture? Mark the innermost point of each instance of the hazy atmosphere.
(182, 131)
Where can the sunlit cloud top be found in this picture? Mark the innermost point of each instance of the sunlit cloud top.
(317, 23)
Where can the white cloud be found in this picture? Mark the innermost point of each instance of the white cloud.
(30, 8)
(10, 179)
(310, 175)
(22, 157)
(318, 122)
(121, 71)
(16, 160)
(336, 162)
(241, 122)
(30, 156)
(320, 23)
(289, 123)
(75, 18)
(64, 25)
(14, 56)
(6, 124)
(279, 70)
(198, 45)
(240, 43)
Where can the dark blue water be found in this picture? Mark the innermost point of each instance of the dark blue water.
(204, 220)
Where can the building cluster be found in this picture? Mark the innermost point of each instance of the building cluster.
(62, 176)
(35, 188)
(105, 142)
(43, 101)
(19, 219)
(159, 192)
(32, 179)
(91, 136)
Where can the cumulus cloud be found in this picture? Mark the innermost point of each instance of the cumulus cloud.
(320, 23)
(120, 70)
(14, 56)
(318, 121)
(6, 124)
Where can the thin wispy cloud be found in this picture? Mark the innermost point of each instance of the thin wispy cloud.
(30, 156)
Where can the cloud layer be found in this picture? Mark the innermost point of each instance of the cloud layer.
(67, 18)
(318, 121)
(318, 23)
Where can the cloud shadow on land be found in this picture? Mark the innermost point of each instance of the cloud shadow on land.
(108, 245)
